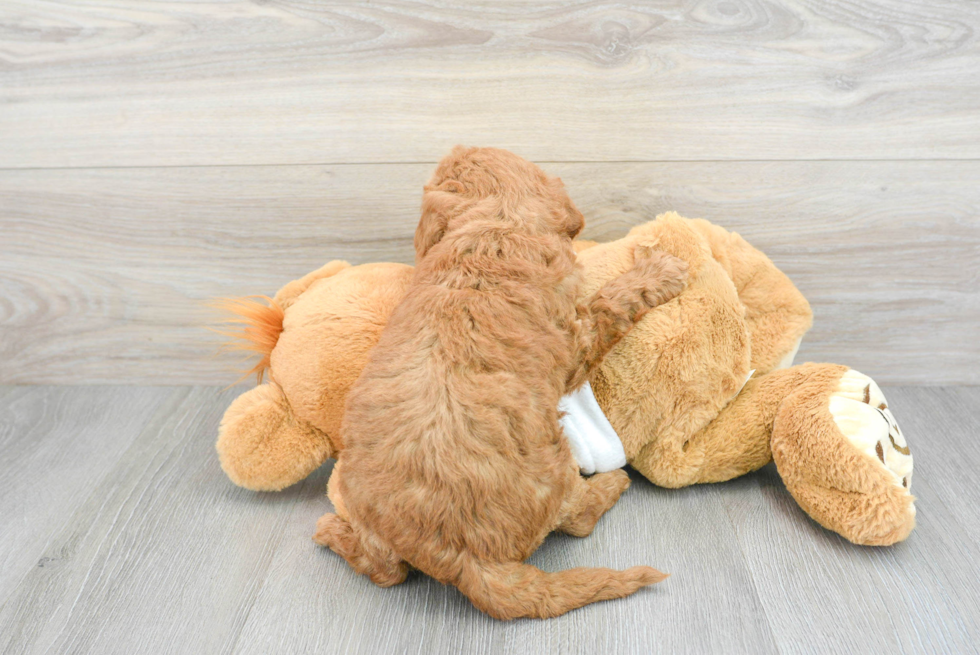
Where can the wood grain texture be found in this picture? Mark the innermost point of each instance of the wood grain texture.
(56, 446)
(96, 83)
(164, 555)
(296, 611)
(953, 412)
(918, 596)
(104, 272)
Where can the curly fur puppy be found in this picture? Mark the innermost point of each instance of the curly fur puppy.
(454, 459)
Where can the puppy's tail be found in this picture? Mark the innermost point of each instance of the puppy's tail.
(510, 590)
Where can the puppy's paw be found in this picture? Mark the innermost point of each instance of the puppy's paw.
(661, 275)
(333, 532)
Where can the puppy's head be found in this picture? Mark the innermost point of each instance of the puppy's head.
(472, 183)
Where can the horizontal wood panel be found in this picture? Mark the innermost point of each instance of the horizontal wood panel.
(104, 272)
(97, 83)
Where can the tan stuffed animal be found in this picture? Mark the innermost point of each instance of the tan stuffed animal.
(700, 391)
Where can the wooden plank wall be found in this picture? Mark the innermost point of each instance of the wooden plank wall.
(156, 154)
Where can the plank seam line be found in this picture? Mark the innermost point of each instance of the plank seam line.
(9, 169)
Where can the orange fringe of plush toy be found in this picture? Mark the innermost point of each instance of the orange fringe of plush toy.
(261, 325)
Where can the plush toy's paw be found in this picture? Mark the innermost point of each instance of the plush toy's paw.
(861, 412)
(841, 454)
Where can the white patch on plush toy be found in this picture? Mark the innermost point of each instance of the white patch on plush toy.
(747, 378)
(787, 361)
(594, 443)
(861, 412)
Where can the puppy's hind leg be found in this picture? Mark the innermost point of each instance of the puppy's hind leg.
(365, 553)
(591, 498)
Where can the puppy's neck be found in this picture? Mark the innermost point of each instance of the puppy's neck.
(488, 252)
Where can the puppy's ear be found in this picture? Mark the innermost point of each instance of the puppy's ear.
(576, 222)
(571, 221)
(438, 207)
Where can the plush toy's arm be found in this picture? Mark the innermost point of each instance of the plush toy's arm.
(776, 313)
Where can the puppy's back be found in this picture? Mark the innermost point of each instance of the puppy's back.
(452, 434)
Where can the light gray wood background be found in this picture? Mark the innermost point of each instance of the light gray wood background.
(156, 154)
(120, 534)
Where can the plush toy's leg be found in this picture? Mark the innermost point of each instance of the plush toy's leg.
(592, 498)
(263, 446)
(366, 555)
(841, 454)
(736, 441)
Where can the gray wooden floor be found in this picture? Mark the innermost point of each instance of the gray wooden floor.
(120, 534)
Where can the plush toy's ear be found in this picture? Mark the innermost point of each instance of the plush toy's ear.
(438, 207)
(264, 446)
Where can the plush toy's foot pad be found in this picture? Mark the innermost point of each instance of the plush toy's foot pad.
(844, 459)
(861, 412)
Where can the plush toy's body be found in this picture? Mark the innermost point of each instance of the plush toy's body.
(700, 391)
(315, 336)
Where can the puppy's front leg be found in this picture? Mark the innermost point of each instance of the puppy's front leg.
(655, 278)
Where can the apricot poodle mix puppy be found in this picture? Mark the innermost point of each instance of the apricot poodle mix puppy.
(454, 461)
